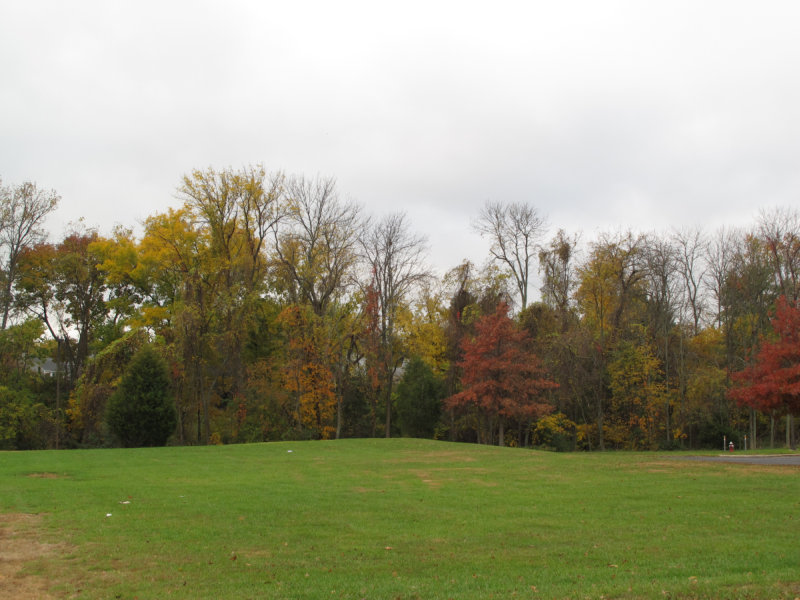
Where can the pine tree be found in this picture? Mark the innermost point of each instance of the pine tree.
(141, 412)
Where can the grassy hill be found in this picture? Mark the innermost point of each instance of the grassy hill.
(394, 519)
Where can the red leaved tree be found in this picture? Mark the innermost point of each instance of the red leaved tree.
(503, 379)
(773, 380)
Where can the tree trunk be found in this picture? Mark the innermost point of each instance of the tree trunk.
(600, 438)
(389, 387)
(772, 429)
(338, 417)
(206, 393)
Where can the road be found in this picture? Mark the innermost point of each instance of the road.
(753, 459)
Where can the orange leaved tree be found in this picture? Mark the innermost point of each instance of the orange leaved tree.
(502, 379)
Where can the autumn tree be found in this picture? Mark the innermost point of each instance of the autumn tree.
(209, 265)
(502, 379)
(63, 286)
(772, 381)
(514, 231)
(557, 265)
(705, 414)
(23, 209)
(316, 254)
(610, 299)
(779, 230)
(747, 295)
(393, 257)
(639, 400)
(174, 257)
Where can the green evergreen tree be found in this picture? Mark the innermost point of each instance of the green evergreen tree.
(419, 400)
(141, 412)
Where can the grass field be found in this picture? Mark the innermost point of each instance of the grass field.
(393, 519)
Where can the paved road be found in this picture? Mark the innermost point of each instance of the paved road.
(753, 459)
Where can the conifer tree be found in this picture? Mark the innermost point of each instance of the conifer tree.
(142, 412)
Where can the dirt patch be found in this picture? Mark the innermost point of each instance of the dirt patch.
(46, 475)
(365, 490)
(429, 480)
(19, 546)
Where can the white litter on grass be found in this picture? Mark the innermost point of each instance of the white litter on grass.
(290, 450)
(108, 514)
(124, 501)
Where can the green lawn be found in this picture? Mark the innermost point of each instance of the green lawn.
(401, 519)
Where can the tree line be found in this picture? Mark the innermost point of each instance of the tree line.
(280, 311)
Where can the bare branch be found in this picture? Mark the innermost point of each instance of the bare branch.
(514, 230)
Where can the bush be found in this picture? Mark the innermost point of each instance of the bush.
(141, 412)
(21, 418)
(555, 432)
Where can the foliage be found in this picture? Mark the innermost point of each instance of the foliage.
(419, 399)
(394, 257)
(141, 412)
(555, 431)
(23, 209)
(284, 312)
(307, 376)
(772, 382)
(86, 411)
(21, 419)
(638, 397)
(502, 379)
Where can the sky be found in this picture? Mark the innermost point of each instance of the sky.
(604, 115)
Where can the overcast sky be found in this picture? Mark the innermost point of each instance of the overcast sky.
(604, 115)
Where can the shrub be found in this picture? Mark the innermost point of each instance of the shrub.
(555, 432)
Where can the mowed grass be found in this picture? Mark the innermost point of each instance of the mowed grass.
(403, 519)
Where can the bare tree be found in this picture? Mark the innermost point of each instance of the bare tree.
(22, 212)
(780, 231)
(318, 249)
(395, 259)
(514, 230)
(661, 271)
(720, 255)
(557, 265)
(316, 256)
(690, 246)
